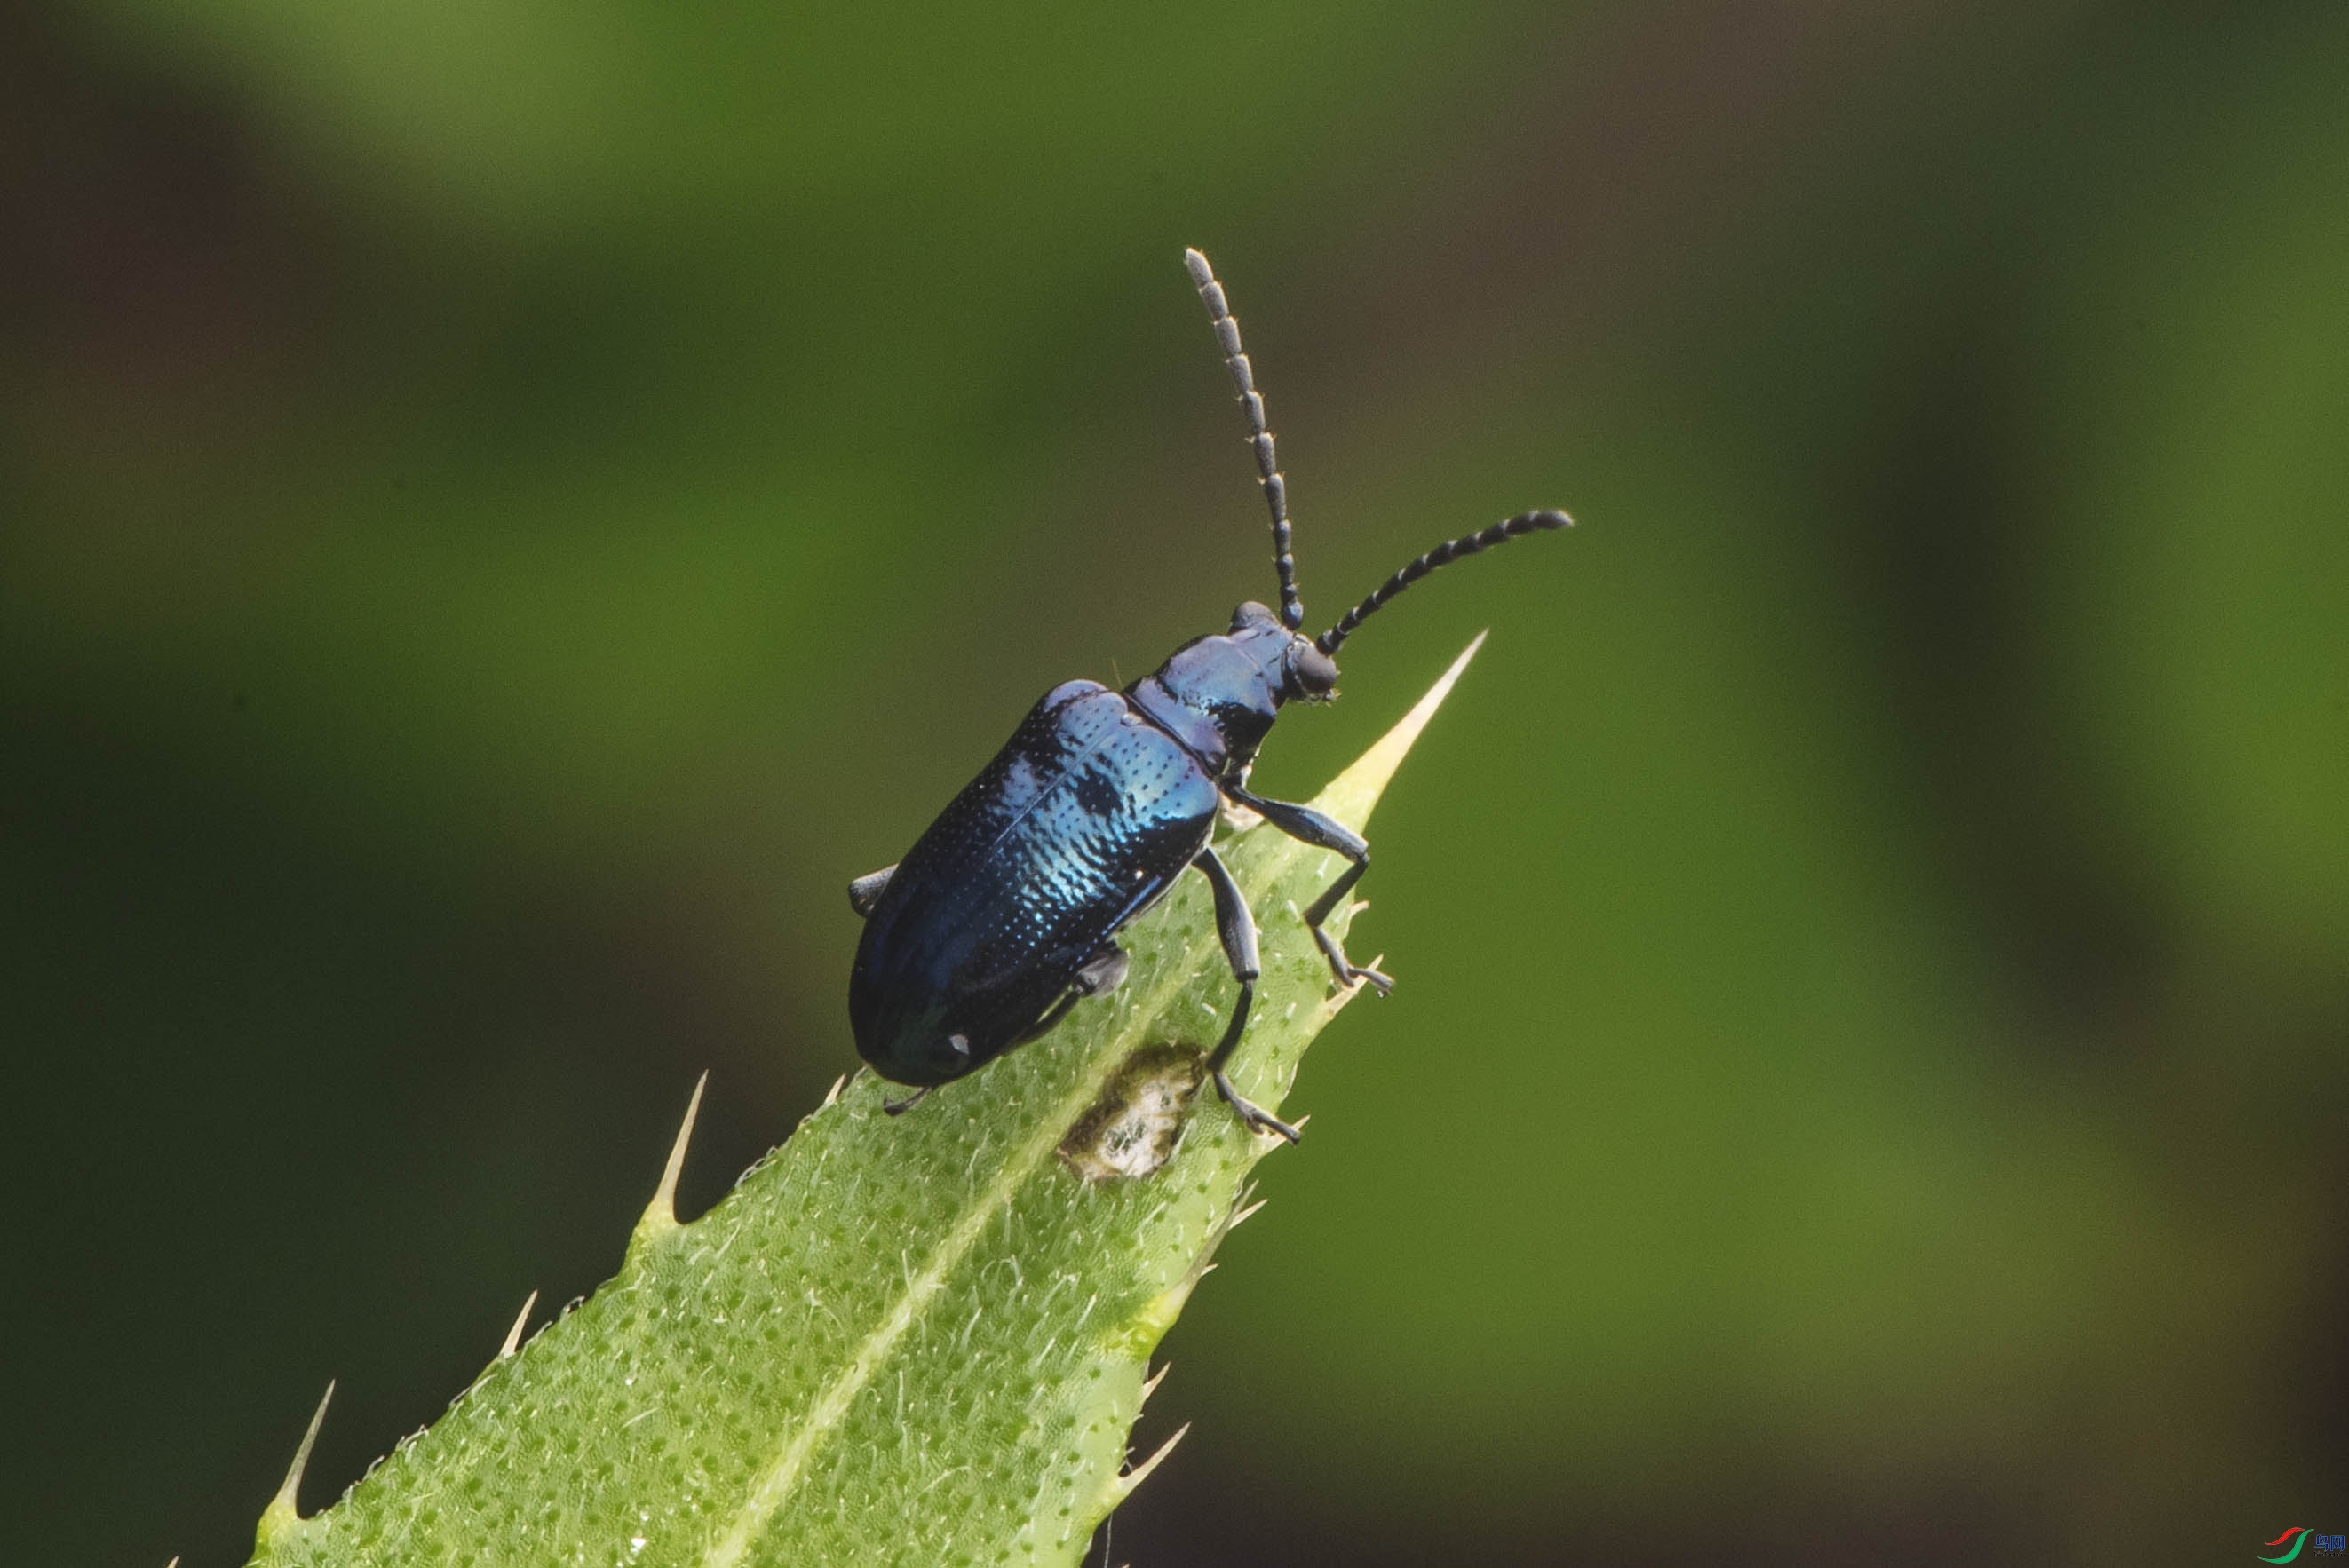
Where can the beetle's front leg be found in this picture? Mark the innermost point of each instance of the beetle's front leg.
(1310, 826)
(1236, 927)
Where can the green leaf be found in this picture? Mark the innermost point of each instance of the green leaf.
(919, 1339)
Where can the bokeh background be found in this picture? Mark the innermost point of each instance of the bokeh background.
(505, 507)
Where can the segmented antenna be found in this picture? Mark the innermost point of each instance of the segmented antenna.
(1444, 554)
(1276, 491)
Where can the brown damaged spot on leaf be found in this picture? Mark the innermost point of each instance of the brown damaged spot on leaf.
(1137, 1123)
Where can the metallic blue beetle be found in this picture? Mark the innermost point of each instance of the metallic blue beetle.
(1001, 917)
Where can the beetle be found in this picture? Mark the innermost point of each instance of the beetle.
(1003, 914)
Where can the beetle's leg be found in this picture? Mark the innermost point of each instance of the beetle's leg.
(900, 1106)
(1310, 826)
(865, 891)
(1104, 971)
(1237, 926)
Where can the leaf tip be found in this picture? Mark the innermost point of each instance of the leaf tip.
(1352, 793)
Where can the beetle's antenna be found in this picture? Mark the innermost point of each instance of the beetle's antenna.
(1444, 554)
(1268, 467)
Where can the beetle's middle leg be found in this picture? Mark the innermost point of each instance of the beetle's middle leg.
(1310, 826)
(1237, 926)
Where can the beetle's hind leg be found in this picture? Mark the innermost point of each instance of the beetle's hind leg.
(1102, 973)
(1310, 826)
(1236, 927)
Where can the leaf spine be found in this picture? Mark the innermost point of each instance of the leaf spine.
(1124, 1485)
(282, 1518)
(660, 1215)
(513, 1335)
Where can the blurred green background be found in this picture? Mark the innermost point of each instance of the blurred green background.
(504, 508)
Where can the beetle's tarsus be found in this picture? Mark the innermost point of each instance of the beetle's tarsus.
(900, 1106)
(1253, 1116)
(1350, 974)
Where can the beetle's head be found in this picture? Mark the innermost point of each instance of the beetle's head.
(1303, 672)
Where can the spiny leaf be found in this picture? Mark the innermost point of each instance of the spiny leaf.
(913, 1340)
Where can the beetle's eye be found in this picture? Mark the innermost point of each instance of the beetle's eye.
(1252, 615)
(1312, 673)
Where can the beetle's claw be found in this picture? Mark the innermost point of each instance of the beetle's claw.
(1258, 1120)
(1253, 1116)
(1350, 974)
